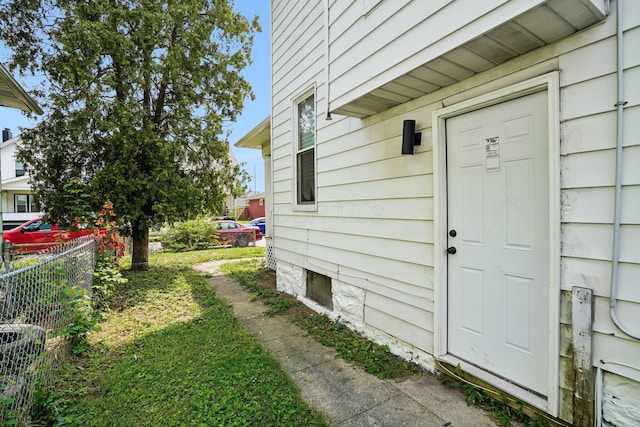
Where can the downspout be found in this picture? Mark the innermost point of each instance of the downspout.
(613, 299)
(327, 60)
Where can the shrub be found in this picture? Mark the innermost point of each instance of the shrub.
(192, 235)
(106, 277)
(81, 319)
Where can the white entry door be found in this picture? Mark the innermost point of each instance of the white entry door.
(498, 223)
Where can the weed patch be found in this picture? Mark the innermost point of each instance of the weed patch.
(374, 359)
(498, 406)
(252, 277)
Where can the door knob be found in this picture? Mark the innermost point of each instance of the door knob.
(451, 250)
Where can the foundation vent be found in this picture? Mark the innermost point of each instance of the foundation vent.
(319, 289)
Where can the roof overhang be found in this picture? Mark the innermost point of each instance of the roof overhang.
(13, 95)
(546, 23)
(21, 183)
(258, 137)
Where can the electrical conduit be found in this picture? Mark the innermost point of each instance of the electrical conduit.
(613, 299)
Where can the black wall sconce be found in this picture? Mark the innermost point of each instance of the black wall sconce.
(409, 136)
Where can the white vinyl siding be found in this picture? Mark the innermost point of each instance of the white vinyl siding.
(588, 134)
(373, 227)
(404, 35)
(8, 157)
(369, 5)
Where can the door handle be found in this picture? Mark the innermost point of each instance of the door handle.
(452, 250)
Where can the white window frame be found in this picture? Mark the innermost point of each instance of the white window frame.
(23, 171)
(297, 205)
(28, 203)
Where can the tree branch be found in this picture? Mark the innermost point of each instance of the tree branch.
(163, 85)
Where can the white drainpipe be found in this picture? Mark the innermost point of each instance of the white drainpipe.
(327, 60)
(613, 299)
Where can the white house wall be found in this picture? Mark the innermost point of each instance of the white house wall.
(406, 34)
(357, 50)
(373, 228)
(8, 158)
(12, 185)
(588, 136)
(353, 218)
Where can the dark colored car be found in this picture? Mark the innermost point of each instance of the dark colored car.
(38, 234)
(236, 234)
(260, 223)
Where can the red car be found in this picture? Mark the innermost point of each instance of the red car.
(236, 234)
(38, 234)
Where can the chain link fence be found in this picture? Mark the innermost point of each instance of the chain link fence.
(34, 312)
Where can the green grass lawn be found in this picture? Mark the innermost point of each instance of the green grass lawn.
(170, 353)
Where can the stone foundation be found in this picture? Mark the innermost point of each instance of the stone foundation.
(348, 308)
(348, 304)
(290, 279)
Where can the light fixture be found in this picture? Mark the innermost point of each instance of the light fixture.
(410, 137)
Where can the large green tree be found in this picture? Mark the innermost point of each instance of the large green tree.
(138, 99)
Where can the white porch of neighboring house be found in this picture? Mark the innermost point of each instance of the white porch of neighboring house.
(260, 138)
(525, 109)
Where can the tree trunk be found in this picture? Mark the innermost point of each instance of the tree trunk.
(140, 256)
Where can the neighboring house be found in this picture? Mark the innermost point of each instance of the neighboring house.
(251, 205)
(18, 203)
(17, 206)
(506, 242)
(256, 209)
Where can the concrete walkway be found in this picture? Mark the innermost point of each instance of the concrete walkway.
(346, 395)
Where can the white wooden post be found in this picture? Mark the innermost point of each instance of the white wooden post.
(581, 325)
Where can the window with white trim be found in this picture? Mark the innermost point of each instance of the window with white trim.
(24, 203)
(19, 169)
(305, 116)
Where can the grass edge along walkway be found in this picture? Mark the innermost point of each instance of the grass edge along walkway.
(171, 353)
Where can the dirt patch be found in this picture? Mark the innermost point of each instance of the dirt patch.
(269, 280)
(297, 310)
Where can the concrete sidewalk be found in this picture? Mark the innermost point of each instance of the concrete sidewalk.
(346, 395)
